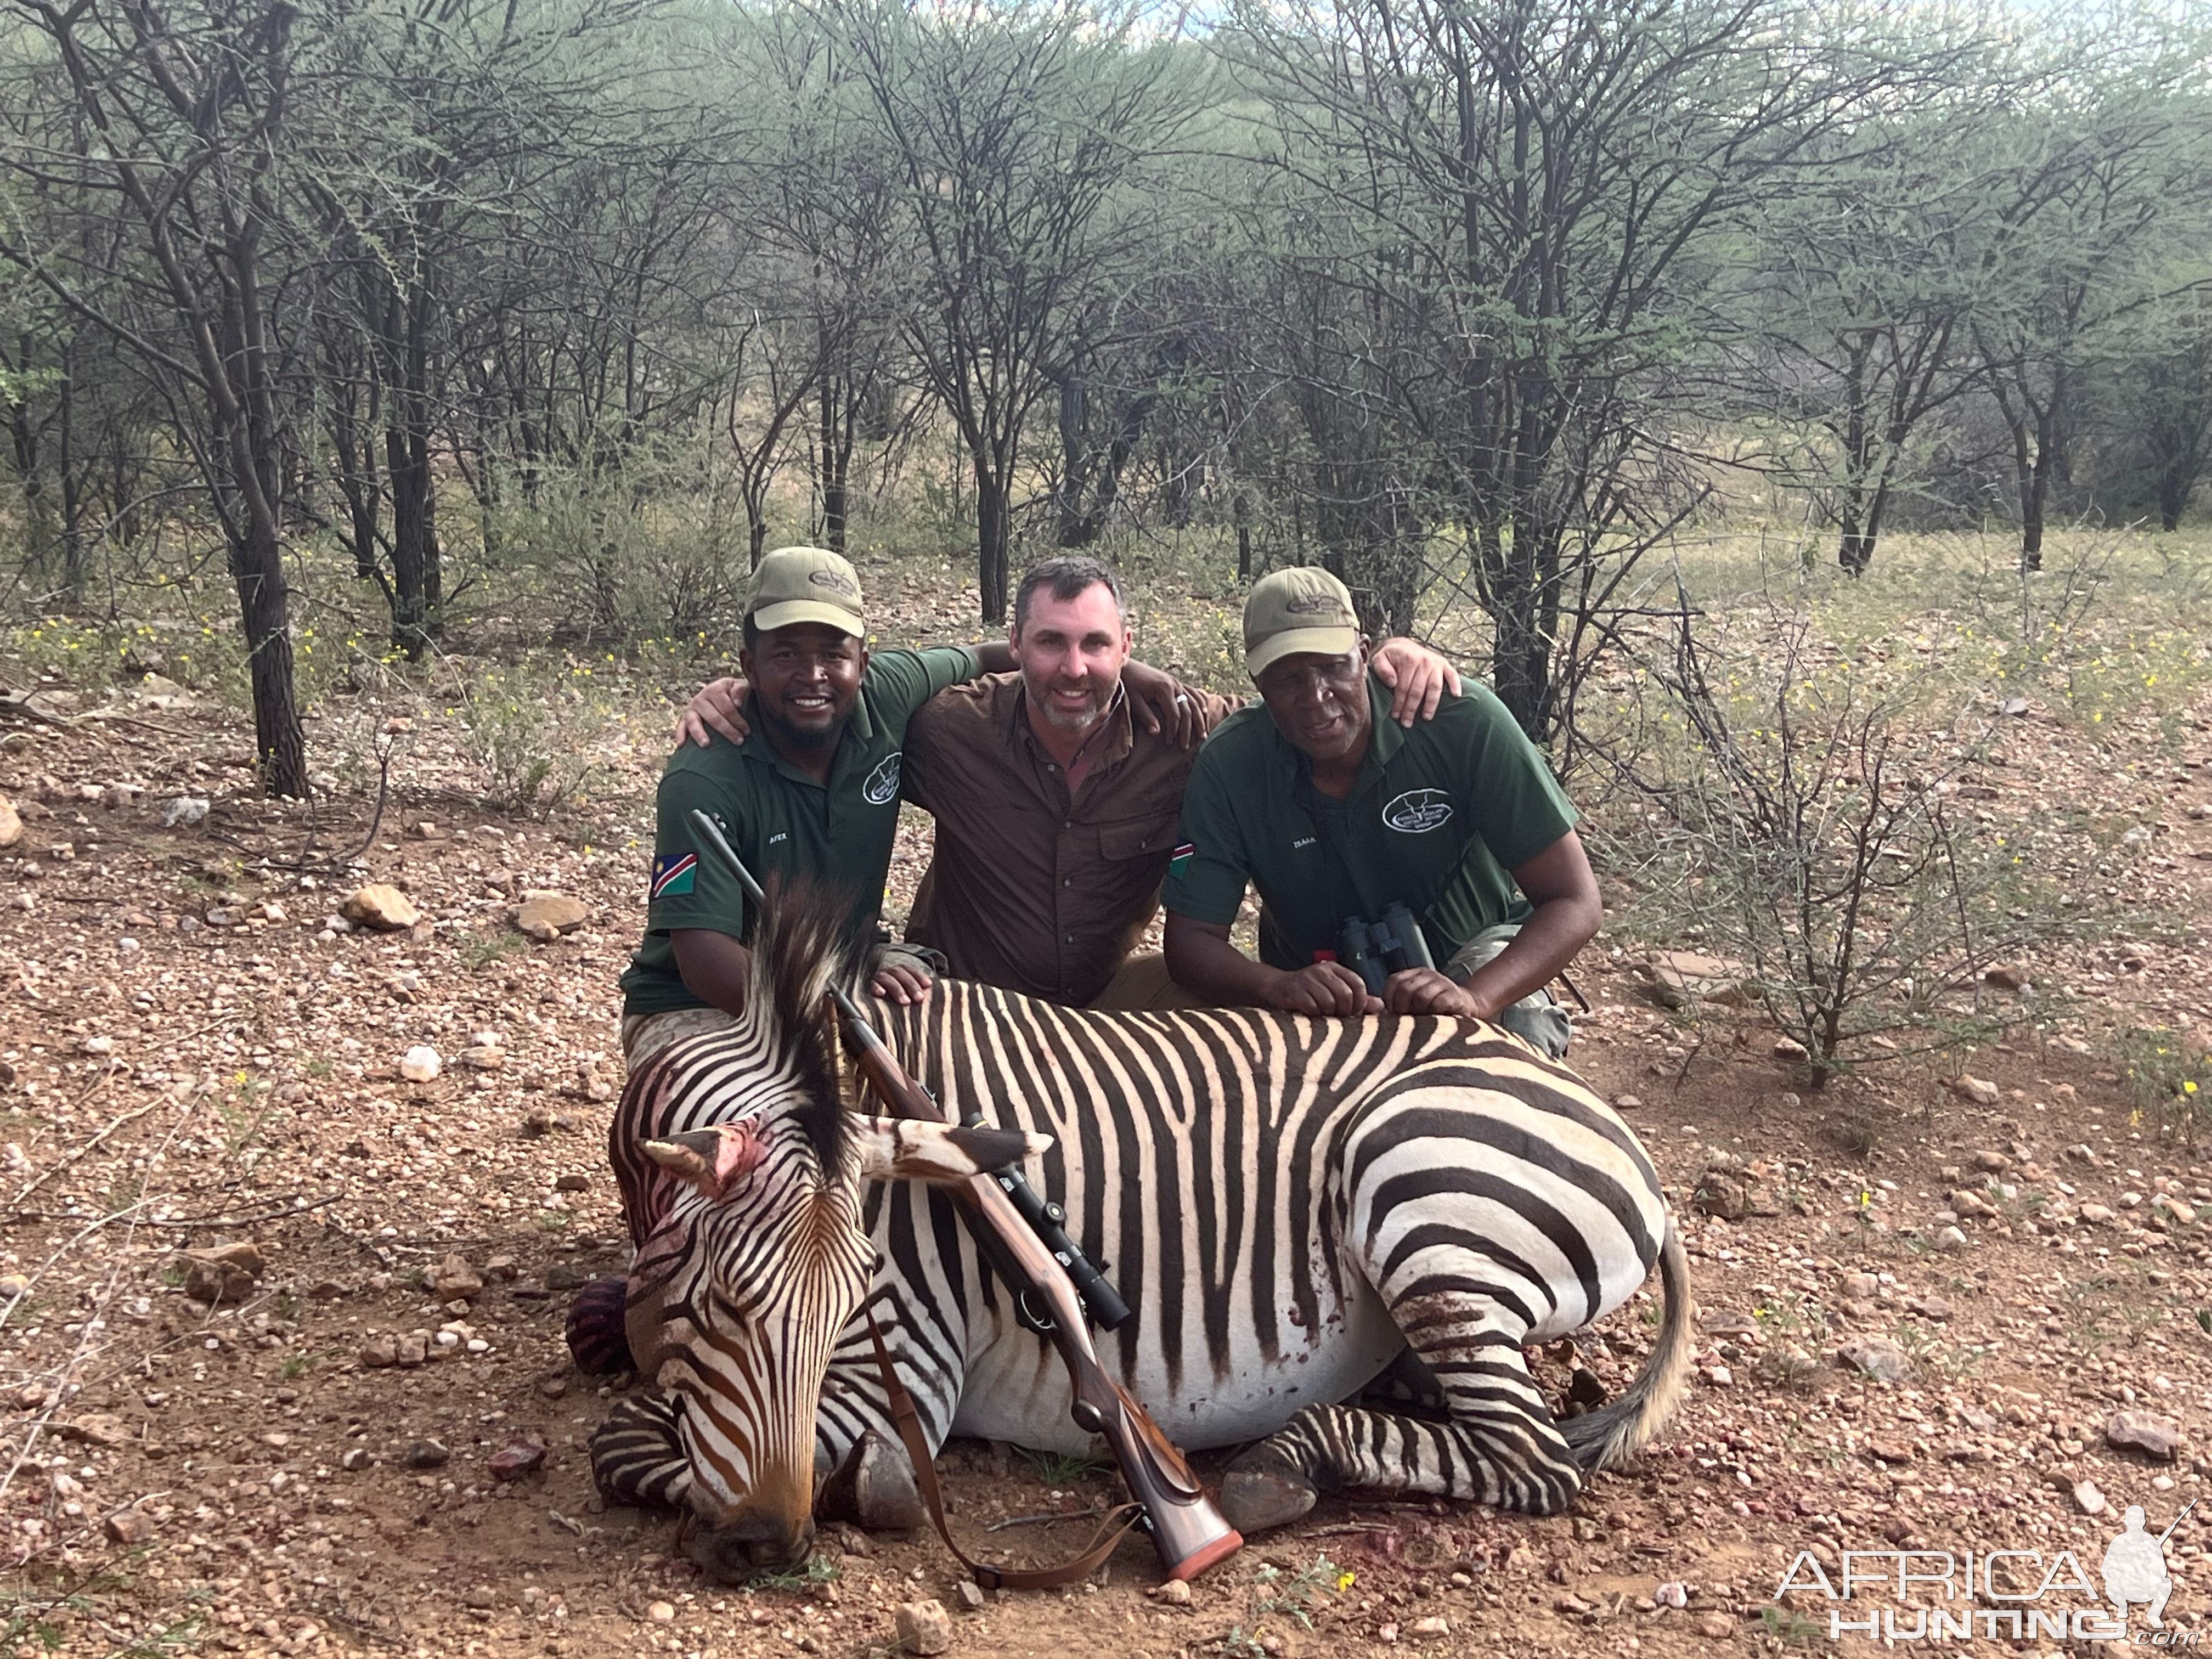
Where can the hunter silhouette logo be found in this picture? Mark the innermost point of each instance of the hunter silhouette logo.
(2134, 1567)
(1313, 603)
(1910, 1596)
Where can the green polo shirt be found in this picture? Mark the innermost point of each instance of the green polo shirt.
(1439, 817)
(777, 818)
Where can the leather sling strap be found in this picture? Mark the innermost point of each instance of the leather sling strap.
(1110, 1531)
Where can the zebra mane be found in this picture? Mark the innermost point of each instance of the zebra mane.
(802, 947)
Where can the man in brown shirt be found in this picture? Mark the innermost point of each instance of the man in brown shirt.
(1055, 803)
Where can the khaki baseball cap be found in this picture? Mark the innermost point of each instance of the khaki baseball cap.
(1301, 608)
(805, 585)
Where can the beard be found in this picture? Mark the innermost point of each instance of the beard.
(786, 735)
(1076, 721)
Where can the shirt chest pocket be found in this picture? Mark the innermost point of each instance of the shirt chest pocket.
(1133, 838)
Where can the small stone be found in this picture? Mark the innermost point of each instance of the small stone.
(1966, 1202)
(1626, 1103)
(181, 812)
(1672, 1594)
(1176, 1592)
(924, 1627)
(969, 1595)
(2089, 1500)
(571, 1182)
(381, 1351)
(553, 1388)
(2097, 1215)
(1894, 1450)
(227, 1274)
(1720, 1377)
(419, 1064)
(385, 908)
(1716, 1627)
(129, 1528)
(11, 825)
(2180, 1214)
(520, 1456)
(1876, 1357)
(1791, 1049)
(96, 1428)
(424, 1454)
(1950, 1238)
(1432, 1626)
(1718, 1196)
(353, 1459)
(2156, 1438)
(545, 916)
(454, 1280)
(98, 1047)
(484, 1057)
(537, 1123)
(2005, 978)
(661, 1613)
(1386, 1632)
(1979, 1091)
(528, 1289)
(1860, 1286)
(1990, 1161)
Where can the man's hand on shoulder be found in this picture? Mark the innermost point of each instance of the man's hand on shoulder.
(1325, 990)
(1426, 991)
(1418, 678)
(718, 705)
(1158, 704)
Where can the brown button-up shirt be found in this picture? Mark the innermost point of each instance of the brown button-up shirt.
(1029, 889)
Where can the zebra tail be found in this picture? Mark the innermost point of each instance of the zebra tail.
(1609, 1436)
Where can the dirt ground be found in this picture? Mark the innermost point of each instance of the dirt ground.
(191, 1060)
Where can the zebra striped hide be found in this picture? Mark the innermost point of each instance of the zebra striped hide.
(1290, 1204)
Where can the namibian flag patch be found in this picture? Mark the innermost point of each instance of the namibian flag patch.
(1179, 860)
(673, 873)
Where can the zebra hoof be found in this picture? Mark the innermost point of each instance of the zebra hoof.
(873, 1488)
(1253, 1500)
(597, 1340)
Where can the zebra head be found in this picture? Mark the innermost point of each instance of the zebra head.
(738, 1296)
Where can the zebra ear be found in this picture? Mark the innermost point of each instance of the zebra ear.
(712, 1160)
(907, 1149)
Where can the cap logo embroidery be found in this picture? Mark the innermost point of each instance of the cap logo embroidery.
(1307, 606)
(831, 580)
(1418, 812)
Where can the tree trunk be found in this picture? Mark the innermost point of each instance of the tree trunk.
(257, 568)
(414, 538)
(2173, 484)
(993, 537)
(836, 458)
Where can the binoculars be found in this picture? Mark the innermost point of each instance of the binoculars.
(1376, 950)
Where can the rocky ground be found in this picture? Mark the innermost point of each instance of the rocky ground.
(281, 1365)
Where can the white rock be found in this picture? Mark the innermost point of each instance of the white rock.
(420, 1063)
(2092, 1501)
(183, 810)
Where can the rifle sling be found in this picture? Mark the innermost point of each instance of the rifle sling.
(1110, 1531)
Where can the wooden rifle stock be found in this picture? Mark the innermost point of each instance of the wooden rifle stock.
(1190, 1533)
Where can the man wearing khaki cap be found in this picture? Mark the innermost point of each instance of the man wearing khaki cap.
(813, 790)
(1054, 792)
(1333, 812)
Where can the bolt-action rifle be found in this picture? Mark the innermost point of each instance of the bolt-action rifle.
(1189, 1533)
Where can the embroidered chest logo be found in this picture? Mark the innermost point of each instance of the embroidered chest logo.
(881, 786)
(1418, 812)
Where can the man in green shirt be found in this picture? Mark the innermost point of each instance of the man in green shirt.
(812, 791)
(1331, 810)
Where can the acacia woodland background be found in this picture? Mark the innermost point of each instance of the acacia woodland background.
(1479, 303)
